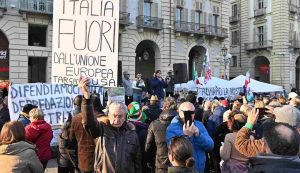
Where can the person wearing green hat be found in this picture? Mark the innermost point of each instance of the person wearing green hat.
(139, 119)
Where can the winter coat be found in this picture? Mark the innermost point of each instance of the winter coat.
(19, 157)
(171, 84)
(157, 87)
(270, 163)
(157, 135)
(4, 116)
(85, 143)
(245, 145)
(152, 112)
(180, 170)
(201, 143)
(234, 161)
(117, 149)
(23, 119)
(215, 119)
(40, 133)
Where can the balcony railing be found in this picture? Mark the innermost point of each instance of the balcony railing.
(149, 22)
(36, 6)
(295, 44)
(210, 30)
(3, 4)
(124, 18)
(187, 27)
(259, 45)
(260, 12)
(234, 18)
(293, 8)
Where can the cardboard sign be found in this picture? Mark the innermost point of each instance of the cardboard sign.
(85, 41)
(56, 100)
(116, 94)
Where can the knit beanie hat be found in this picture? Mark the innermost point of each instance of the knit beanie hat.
(135, 113)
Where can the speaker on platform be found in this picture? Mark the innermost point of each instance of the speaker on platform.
(180, 72)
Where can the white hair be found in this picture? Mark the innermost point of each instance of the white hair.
(118, 104)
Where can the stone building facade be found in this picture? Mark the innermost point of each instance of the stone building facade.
(264, 38)
(154, 35)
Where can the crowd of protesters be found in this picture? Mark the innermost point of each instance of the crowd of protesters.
(158, 133)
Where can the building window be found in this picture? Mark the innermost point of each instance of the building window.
(37, 35)
(233, 62)
(215, 20)
(235, 37)
(179, 14)
(234, 10)
(197, 19)
(147, 8)
(260, 35)
(37, 69)
(260, 4)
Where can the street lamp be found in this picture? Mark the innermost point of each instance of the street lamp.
(226, 59)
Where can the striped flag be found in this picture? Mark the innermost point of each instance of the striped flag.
(207, 68)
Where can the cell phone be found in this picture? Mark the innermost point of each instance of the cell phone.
(261, 111)
(188, 117)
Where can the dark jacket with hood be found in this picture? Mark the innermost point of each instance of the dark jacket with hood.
(153, 112)
(271, 163)
(157, 134)
(40, 133)
(19, 157)
(117, 149)
(215, 119)
(4, 116)
(180, 170)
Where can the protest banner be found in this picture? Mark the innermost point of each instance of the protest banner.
(85, 41)
(210, 92)
(56, 100)
(116, 94)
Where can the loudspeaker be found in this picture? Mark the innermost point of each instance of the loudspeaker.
(180, 72)
(120, 75)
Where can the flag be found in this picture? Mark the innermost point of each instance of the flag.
(195, 75)
(247, 81)
(207, 68)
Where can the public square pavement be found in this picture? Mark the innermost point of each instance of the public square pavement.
(51, 166)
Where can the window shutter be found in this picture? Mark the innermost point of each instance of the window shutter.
(193, 19)
(141, 7)
(197, 5)
(204, 18)
(154, 10)
(186, 14)
(265, 32)
(238, 37)
(265, 3)
(256, 4)
(175, 14)
(255, 32)
(210, 19)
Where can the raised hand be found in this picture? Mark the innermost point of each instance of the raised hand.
(82, 84)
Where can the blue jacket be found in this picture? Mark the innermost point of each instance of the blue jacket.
(157, 87)
(200, 143)
(25, 121)
(215, 119)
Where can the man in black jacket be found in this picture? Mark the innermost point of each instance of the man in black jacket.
(281, 143)
(117, 147)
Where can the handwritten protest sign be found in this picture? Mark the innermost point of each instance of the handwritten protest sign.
(85, 41)
(56, 100)
(116, 94)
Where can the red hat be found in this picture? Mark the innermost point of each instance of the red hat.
(224, 103)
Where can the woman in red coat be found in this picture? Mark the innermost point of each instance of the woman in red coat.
(40, 133)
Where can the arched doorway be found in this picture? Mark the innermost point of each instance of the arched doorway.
(262, 69)
(298, 74)
(196, 58)
(146, 53)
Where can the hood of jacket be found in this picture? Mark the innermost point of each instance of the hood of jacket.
(40, 125)
(15, 148)
(219, 111)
